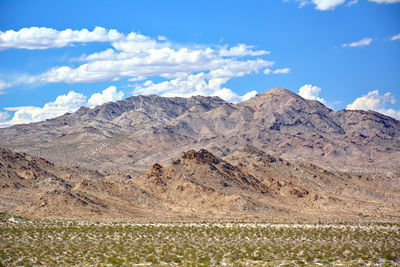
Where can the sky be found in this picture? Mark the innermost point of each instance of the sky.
(56, 56)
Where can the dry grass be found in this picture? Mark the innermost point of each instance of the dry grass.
(29, 242)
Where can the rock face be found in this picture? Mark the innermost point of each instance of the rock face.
(247, 184)
(204, 183)
(34, 187)
(134, 133)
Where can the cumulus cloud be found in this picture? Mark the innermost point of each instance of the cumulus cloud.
(4, 85)
(353, 2)
(233, 68)
(191, 85)
(395, 37)
(362, 42)
(114, 65)
(374, 101)
(385, 1)
(311, 92)
(64, 103)
(230, 96)
(4, 116)
(109, 94)
(327, 4)
(249, 95)
(190, 69)
(132, 56)
(44, 38)
(277, 71)
(134, 42)
(281, 71)
(214, 67)
(242, 50)
(324, 5)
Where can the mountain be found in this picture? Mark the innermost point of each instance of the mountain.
(33, 187)
(202, 182)
(132, 134)
(247, 184)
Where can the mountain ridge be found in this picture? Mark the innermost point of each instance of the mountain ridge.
(140, 130)
(247, 184)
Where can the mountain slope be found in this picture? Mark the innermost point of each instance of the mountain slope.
(134, 133)
(247, 184)
(34, 187)
(201, 182)
(252, 184)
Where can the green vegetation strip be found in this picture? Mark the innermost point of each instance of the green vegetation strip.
(31, 242)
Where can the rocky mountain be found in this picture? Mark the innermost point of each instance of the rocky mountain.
(33, 187)
(132, 134)
(247, 184)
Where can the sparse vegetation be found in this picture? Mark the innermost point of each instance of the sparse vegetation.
(30, 242)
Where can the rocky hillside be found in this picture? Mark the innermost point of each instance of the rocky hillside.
(34, 187)
(134, 133)
(247, 184)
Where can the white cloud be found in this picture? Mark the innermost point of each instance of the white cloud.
(137, 57)
(4, 85)
(161, 38)
(362, 42)
(352, 2)
(185, 86)
(242, 50)
(327, 4)
(324, 5)
(4, 116)
(277, 71)
(139, 78)
(44, 38)
(374, 101)
(311, 92)
(135, 42)
(385, 1)
(230, 96)
(64, 103)
(109, 94)
(164, 62)
(301, 2)
(191, 85)
(248, 95)
(395, 37)
(281, 71)
(232, 68)
(113, 65)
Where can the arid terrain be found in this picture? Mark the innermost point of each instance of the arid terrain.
(34, 242)
(248, 184)
(149, 158)
(161, 133)
(150, 180)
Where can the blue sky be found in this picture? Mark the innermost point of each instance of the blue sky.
(56, 56)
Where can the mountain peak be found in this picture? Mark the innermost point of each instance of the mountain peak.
(201, 156)
(279, 92)
(280, 96)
